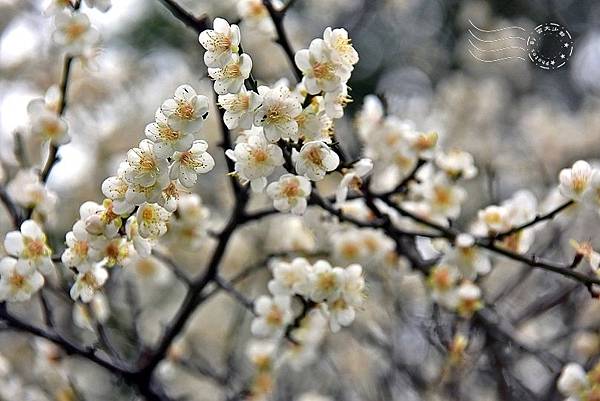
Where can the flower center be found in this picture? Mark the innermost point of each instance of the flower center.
(291, 190)
(74, 31)
(274, 317)
(148, 214)
(16, 280)
(81, 248)
(232, 70)
(185, 110)
(33, 248)
(167, 133)
(314, 156)
(260, 155)
(324, 71)
(326, 282)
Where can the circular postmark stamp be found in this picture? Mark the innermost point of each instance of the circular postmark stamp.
(549, 46)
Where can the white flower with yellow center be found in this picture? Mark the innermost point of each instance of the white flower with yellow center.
(74, 32)
(46, 124)
(575, 181)
(30, 247)
(272, 316)
(290, 278)
(289, 193)
(78, 252)
(138, 194)
(278, 112)
(444, 198)
(88, 282)
(144, 166)
(326, 282)
(456, 164)
(187, 165)
(115, 188)
(315, 159)
(186, 111)
(342, 51)
(230, 77)
(336, 101)
(15, 284)
(166, 139)
(111, 251)
(100, 219)
(341, 310)
(220, 43)
(240, 108)
(495, 218)
(152, 220)
(314, 124)
(256, 159)
(470, 260)
(321, 73)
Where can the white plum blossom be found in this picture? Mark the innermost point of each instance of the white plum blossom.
(100, 219)
(187, 165)
(290, 193)
(17, 285)
(469, 299)
(88, 282)
(315, 159)
(495, 218)
(29, 246)
(342, 51)
(576, 180)
(240, 108)
(115, 188)
(256, 159)
(336, 101)
(220, 43)
(314, 124)
(78, 252)
(166, 139)
(469, 259)
(278, 112)
(137, 194)
(230, 77)
(444, 197)
(112, 251)
(456, 164)
(186, 111)
(144, 166)
(272, 316)
(353, 179)
(46, 124)
(290, 277)
(74, 32)
(321, 73)
(326, 281)
(152, 220)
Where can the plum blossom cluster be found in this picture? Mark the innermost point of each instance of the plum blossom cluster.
(577, 384)
(304, 298)
(29, 258)
(280, 122)
(142, 196)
